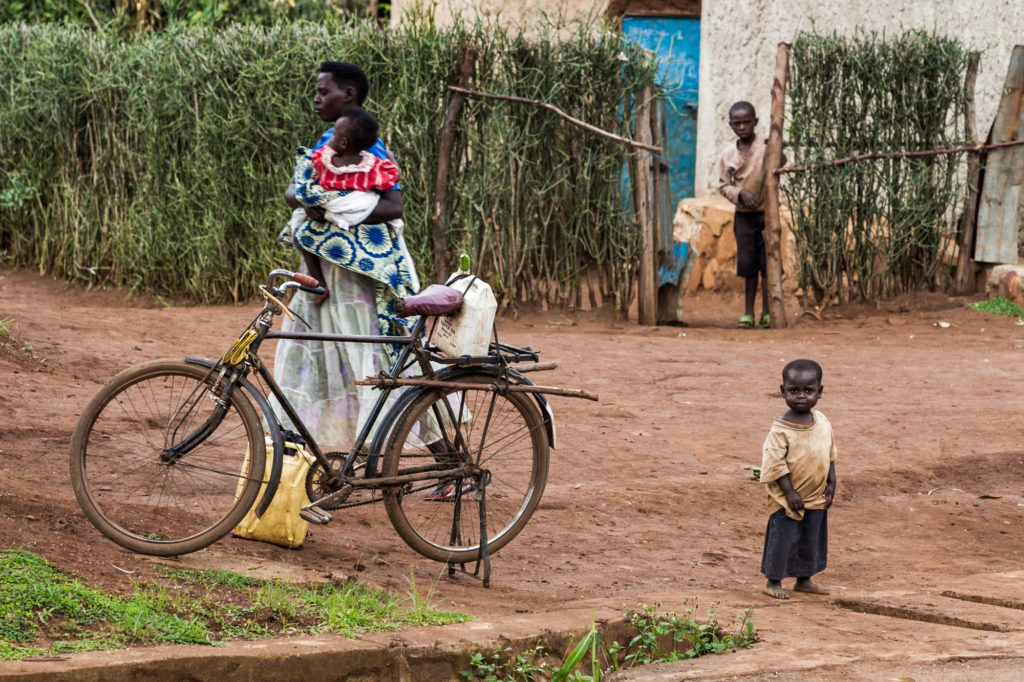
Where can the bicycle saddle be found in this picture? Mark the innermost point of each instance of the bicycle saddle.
(437, 299)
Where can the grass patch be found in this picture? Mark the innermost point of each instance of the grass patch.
(999, 306)
(43, 611)
(659, 637)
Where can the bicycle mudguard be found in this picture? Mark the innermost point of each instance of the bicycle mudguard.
(276, 436)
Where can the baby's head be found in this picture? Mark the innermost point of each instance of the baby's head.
(354, 131)
(801, 384)
(743, 120)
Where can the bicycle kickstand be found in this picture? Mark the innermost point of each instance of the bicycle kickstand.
(482, 479)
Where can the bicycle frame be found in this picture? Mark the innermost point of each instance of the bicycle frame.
(261, 329)
(411, 345)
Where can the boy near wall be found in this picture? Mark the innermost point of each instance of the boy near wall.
(741, 181)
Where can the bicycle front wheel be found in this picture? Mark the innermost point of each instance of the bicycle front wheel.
(501, 434)
(135, 481)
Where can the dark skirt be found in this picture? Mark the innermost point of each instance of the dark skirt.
(795, 549)
(748, 226)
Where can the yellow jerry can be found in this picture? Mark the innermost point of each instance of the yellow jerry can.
(281, 523)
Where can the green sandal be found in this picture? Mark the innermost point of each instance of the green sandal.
(746, 322)
(766, 321)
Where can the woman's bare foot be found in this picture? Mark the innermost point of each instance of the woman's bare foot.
(805, 585)
(774, 589)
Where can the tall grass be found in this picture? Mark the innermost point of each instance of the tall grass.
(159, 161)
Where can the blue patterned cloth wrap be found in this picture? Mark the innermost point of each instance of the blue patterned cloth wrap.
(370, 250)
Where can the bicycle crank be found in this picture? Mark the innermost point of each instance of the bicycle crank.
(315, 514)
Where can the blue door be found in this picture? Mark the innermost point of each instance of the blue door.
(676, 42)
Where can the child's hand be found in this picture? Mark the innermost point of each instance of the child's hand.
(829, 494)
(747, 199)
(795, 502)
(319, 300)
(317, 213)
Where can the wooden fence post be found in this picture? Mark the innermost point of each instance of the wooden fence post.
(772, 220)
(647, 301)
(965, 232)
(444, 155)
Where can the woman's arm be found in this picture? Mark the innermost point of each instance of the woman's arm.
(388, 208)
(289, 196)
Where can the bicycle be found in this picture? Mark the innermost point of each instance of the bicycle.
(170, 455)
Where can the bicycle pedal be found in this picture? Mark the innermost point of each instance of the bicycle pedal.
(315, 515)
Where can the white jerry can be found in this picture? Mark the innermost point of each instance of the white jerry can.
(467, 332)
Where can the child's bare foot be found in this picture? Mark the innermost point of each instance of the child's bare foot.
(805, 585)
(774, 589)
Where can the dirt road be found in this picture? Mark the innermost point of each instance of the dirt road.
(650, 493)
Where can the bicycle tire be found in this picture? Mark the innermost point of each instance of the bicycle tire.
(515, 452)
(155, 507)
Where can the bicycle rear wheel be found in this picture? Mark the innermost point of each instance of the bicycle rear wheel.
(502, 434)
(141, 496)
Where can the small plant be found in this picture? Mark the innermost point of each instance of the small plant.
(999, 306)
(704, 637)
(600, 657)
(503, 665)
(660, 637)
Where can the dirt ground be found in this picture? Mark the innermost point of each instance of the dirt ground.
(649, 490)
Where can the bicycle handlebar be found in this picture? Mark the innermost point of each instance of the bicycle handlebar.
(303, 281)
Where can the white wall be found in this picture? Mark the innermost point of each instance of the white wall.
(739, 41)
(512, 14)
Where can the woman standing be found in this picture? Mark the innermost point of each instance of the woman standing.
(318, 378)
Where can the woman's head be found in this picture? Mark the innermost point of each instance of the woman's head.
(339, 85)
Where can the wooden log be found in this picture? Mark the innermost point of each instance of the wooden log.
(536, 366)
(439, 219)
(872, 156)
(772, 221)
(647, 273)
(552, 108)
(669, 294)
(968, 223)
(497, 387)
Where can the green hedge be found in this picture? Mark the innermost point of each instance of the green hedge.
(127, 16)
(875, 228)
(159, 161)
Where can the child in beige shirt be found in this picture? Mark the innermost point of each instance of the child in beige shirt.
(799, 472)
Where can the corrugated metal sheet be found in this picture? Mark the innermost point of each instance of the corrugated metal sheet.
(676, 42)
(1003, 188)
